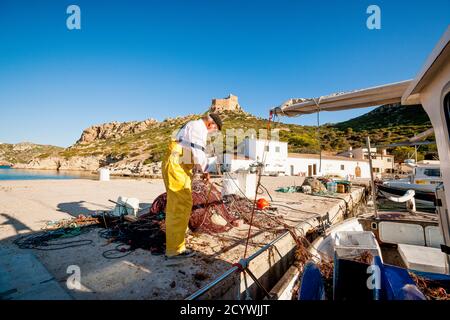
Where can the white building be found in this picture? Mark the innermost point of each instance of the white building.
(314, 165)
(251, 151)
(234, 162)
(276, 160)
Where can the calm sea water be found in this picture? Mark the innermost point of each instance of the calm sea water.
(7, 173)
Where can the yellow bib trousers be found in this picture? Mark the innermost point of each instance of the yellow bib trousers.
(178, 182)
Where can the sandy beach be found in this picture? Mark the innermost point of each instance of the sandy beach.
(27, 204)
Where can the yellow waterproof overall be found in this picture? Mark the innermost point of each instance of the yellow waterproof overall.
(177, 179)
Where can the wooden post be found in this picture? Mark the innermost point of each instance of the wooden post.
(320, 142)
(372, 181)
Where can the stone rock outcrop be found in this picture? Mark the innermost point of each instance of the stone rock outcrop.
(114, 130)
(136, 168)
(23, 146)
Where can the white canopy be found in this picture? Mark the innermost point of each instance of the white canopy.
(388, 93)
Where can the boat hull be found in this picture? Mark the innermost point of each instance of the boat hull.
(422, 197)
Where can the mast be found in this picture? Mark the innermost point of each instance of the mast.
(372, 181)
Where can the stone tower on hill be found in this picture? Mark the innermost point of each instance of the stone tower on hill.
(229, 103)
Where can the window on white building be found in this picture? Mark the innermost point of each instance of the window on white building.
(277, 149)
(342, 167)
(266, 148)
(432, 172)
(388, 159)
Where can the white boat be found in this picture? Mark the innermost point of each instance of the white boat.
(425, 177)
(403, 244)
(400, 246)
(424, 180)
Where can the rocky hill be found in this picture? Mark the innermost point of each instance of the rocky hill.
(136, 148)
(114, 130)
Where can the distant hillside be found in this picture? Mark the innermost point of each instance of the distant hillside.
(136, 148)
(388, 116)
(25, 151)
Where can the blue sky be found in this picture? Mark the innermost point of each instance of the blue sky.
(134, 60)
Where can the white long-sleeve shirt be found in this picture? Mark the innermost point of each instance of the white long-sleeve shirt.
(195, 132)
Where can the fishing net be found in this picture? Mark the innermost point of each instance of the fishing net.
(210, 213)
(56, 235)
(148, 234)
(433, 290)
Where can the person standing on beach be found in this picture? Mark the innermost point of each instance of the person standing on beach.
(185, 155)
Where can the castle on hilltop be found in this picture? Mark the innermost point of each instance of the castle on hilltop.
(229, 103)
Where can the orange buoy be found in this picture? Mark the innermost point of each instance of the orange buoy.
(262, 204)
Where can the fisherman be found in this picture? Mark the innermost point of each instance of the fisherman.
(185, 156)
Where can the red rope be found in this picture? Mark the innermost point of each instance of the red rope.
(239, 266)
(256, 194)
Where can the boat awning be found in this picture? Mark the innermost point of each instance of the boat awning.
(374, 96)
(438, 58)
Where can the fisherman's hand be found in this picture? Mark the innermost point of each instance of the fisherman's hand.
(197, 169)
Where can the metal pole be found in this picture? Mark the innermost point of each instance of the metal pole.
(255, 280)
(415, 152)
(393, 165)
(228, 273)
(372, 182)
(320, 142)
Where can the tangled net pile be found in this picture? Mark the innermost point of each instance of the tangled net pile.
(431, 289)
(303, 255)
(207, 203)
(61, 230)
(148, 234)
